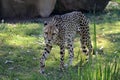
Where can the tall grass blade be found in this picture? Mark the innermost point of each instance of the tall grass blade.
(79, 73)
(95, 39)
(94, 36)
(100, 72)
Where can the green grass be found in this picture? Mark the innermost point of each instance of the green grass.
(21, 45)
(116, 0)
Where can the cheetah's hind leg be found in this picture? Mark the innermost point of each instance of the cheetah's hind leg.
(85, 41)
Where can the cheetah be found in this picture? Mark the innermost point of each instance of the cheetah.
(61, 30)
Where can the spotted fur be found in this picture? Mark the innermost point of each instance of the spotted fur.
(61, 30)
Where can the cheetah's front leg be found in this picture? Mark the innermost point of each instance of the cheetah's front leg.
(70, 50)
(62, 53)
(46, 52)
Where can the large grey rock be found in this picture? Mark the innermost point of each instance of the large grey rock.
(86, 5)
(45, 7)
(26, 8)
(18, 8)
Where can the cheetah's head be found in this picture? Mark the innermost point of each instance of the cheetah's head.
(50, 33)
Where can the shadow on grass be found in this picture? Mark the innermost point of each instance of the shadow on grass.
(114, 38)
(15, 61)
(107, 16)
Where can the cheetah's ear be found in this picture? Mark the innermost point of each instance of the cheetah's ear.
(45, 23)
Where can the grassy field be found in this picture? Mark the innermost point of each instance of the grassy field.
(21, 45)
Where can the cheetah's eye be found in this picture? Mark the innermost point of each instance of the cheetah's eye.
(46, 33)
(53, 33)
(45, 23)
